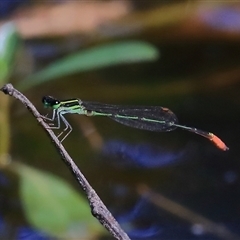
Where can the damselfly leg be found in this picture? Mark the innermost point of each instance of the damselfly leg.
(56, 118)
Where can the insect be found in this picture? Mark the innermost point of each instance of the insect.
(151, 118)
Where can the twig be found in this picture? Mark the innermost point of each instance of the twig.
(98, 208)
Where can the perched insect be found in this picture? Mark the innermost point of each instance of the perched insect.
(151, 118)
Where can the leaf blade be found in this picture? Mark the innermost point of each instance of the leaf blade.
(94, 58)
(53, 206)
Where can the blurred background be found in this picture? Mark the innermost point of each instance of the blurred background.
(183, 55)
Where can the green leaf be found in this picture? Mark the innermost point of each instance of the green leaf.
(94, 58)
(9, 42)
(53, 206)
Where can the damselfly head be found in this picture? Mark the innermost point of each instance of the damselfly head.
(50, 102)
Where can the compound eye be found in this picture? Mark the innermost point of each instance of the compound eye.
(49, 101)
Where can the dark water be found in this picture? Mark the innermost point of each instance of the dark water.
(184, 167)
(199, 81)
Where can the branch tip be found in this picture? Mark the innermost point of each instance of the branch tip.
(7, 89)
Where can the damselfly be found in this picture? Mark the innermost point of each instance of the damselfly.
(151, 118)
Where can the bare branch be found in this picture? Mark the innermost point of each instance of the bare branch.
(98, 208)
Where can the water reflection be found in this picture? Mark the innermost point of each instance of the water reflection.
(28, 233)
(141, 155)
(222, 18)
(140, 221)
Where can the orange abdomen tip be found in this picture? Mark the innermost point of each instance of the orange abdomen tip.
(218, 142)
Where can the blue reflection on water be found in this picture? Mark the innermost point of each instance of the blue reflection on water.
(7, 231)
(141, 155)
(43, 50)
(27, 233)
(3, 180)
(141, 217)
(223, 18)
(3, 227)
(146, 221)
(8, 6)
